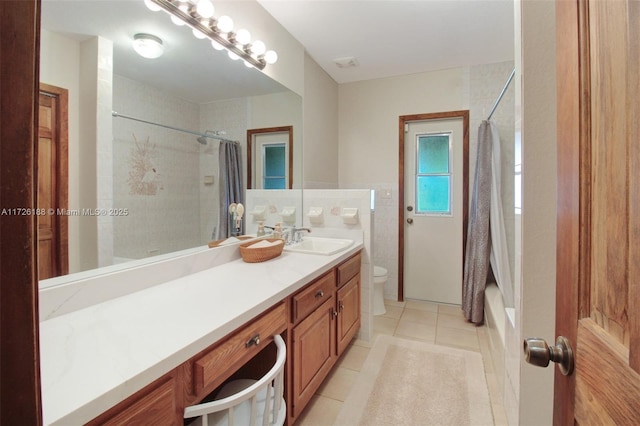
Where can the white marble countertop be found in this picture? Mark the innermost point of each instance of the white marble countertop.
(95, 357)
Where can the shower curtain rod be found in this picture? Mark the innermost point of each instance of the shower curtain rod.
(206, 135)
(504, 89)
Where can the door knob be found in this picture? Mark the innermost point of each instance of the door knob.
(410, 208)
(537, 352)
(409, 221)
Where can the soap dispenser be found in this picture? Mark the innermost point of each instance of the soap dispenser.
(261, 231)
(277, 231)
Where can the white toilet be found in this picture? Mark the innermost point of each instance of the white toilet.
(379, 278)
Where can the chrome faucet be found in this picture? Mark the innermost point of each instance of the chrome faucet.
(296, 234)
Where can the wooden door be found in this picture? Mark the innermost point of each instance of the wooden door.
(598, 260)
(52, 182)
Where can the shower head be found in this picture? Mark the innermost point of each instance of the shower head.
(215, 132)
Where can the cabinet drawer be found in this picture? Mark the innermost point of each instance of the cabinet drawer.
(314, 295)
(216, 365)
(348, 269)
(156, 404)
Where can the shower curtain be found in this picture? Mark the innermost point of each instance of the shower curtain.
(231, 187)
(499, 250)
(486, 236)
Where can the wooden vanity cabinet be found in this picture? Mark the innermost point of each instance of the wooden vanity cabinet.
(320, 337)
(318, 323)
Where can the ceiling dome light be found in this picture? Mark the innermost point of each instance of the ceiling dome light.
(205, 8)
(148, 46)
(270, 57)
(225, 24)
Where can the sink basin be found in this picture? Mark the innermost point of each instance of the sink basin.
(320, 245)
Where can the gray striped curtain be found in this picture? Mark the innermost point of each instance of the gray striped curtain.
(231, 186)
(476, 260)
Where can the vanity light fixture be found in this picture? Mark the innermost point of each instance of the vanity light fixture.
(198, 14)
(148, 46)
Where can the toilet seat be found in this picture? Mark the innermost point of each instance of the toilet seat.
(379, 271)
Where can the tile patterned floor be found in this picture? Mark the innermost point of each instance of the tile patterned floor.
(415, 320)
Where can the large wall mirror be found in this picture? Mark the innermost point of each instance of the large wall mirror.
(156, 160)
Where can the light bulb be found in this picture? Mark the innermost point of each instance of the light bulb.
(216, 45)
(243, 37)
(270, 57)
(258, 48)
(177, 20)
(233, 56)
(247, 64)
(152, 6)
(205, 8)
(225, 24)
(198, 34)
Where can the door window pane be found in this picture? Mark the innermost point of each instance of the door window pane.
(274, 167)
(433, 194)
(433, 154)
(433, 174)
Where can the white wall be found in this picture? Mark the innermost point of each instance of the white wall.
(368, 149)
(320, 128)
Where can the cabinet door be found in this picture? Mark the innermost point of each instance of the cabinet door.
(313, 353)
(348, 312)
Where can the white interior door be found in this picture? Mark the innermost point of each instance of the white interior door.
(433, 219)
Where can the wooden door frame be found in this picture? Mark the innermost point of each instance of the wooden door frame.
(251, 133)
(19, 70)
(402, 122)
(61, 97)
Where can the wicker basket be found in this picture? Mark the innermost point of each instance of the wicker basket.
(217, 243)
(255, 255)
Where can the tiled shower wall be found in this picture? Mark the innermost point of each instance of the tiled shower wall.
(155, 172)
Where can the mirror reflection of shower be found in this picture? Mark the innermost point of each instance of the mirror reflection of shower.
(168, 184)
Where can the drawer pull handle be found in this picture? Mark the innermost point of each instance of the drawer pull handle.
(319, 294)
(334, 313)
(255, 340)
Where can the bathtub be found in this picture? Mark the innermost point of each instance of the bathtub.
(496, 318)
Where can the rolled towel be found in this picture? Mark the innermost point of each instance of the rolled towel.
(265, 243)
(229, 240)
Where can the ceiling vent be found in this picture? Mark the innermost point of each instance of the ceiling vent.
(346, 62)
